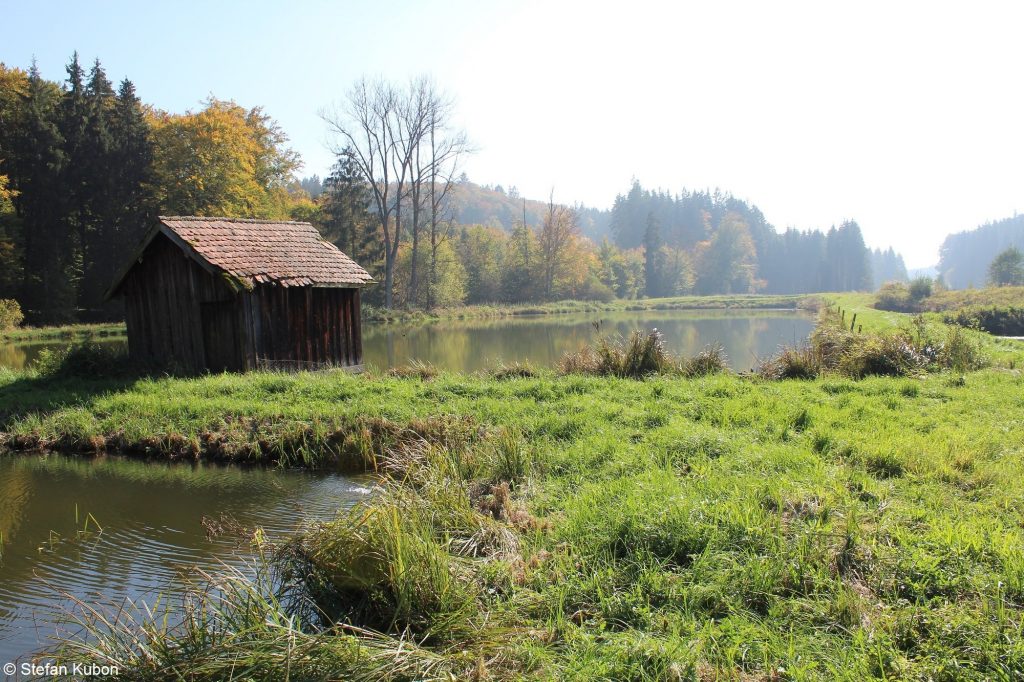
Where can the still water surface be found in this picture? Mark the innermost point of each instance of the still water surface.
(153, 535)
(472, 345)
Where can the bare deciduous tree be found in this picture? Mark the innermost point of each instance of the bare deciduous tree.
(402, 144)
(447, 147)
(365, 129)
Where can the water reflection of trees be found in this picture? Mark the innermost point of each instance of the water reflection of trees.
(471, 345)
(12, 356)
(15, 492)
(23, 354)
(41, 493)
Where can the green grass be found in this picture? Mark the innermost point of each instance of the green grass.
(72, 332)
(1005, 352)
(997, 310)
(540, 526)
(953, 299)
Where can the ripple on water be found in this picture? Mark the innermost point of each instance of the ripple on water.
(152, 537)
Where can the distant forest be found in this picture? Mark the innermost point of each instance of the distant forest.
(965, 257)
(86, 166)
(711, 242)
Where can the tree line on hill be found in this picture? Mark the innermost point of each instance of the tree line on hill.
(86, 167)
(965, 258)
(656, 245)
(711, 242)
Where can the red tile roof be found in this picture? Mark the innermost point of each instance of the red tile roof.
(267, 251)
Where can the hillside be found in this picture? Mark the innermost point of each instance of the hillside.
(495, 207)
(965, 256)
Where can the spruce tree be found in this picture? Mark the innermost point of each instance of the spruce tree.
(50, 271)
(347, 221)
(97, 200)
(133, 187)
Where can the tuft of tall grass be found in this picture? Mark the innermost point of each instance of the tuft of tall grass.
(515, 370)
(386, 565)
(711, 360)
(882, 355)
(791, 362)
(416, 369)
(408, 559)
(637, 356)
(510, 457)
(961, 352)
(233, 625)
(641, 355)
(583, 361)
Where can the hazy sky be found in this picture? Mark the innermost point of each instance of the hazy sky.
(904, 116)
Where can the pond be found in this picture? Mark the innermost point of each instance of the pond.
(472, 345)
(152, 536)
(541, 340)
(19, 355)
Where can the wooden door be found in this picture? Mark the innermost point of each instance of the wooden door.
(221, 340)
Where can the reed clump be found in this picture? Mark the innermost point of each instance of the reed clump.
(792, 362)
(640, 355)
(637, 356)
(835, 349)
(711, 360)
(387, 565)
(241, 624)
(514, 370)
(414, 370)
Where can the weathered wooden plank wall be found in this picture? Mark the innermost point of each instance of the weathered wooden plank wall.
(183, 317)
(163, 297)
(304, 327)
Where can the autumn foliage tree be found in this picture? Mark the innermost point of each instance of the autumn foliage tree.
(223, 160)
(727, 263)
(556, 241)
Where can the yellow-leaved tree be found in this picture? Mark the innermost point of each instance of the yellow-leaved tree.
(224, 160)
(13, 90)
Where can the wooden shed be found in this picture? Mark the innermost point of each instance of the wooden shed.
(214, 294)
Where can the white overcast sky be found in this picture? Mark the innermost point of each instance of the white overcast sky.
(904, 116)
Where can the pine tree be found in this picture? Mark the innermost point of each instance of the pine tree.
(50, 272)
(97, 200)
(347, 221)
(133, 197)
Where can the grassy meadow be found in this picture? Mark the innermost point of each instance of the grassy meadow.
(542, 525)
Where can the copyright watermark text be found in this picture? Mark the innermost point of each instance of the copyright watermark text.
(73, 670)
